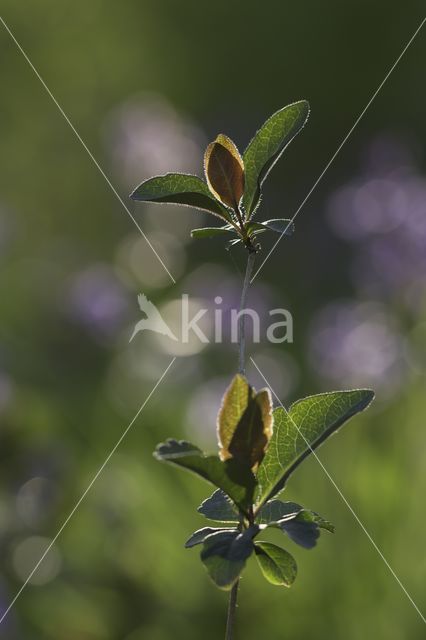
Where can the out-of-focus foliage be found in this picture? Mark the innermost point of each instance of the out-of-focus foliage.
(136, 81)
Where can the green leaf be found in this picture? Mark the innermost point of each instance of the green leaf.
(254, 430)
(303, 531)
(301, 525)
(302, 429)
(224, 555)
(323, 524)
(234, 402)
(211, 232)
(236, 480)
(279, 225)
(276, 564)
(219, 508)
(276, 510)
(267, 146)
(180, 188)
(199, 536)
(305, 528)
(244, 422)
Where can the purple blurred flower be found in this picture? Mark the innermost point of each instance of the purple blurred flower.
(383, 213)
(146, 136)
(357, 344)
(98, 300)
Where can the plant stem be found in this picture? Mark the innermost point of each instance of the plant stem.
(232, 606)
(241, 317)
(231, 612)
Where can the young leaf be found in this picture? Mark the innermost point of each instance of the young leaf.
(302, 429)
(224, 555)
(301, 525)
(301, 531)
(276, 510)
(244, 422)
(254, 430)
(267, 146)
(180, 188)
(323, 524)
(224, 170)
(211, 232)
(219, 508)
(234, 403)
(199, 536)
(276, 564)
(279, 225)
(236, 480)
(305, 528)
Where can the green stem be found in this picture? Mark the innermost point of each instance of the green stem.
(230, 621)
(241, 317)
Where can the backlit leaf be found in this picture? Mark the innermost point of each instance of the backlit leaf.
(301, 525)
(224, 171)
(300, 430)
(279, 225)
(323, 524)
(267, 146)
(211, 232)
(277, 510)
(244, 423)
(305, 528)
(236, 480)
(302, 531)
(276, 564)
(224, 555)
(234, 403)
(218, 507)
(180, 188)
(254, 430)
(199, 536)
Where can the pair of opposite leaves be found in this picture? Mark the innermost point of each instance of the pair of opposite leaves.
(244, 431)
(233, 182)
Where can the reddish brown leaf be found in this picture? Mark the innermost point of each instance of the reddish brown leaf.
(224, 171)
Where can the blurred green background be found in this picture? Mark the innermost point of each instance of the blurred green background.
(147, 85)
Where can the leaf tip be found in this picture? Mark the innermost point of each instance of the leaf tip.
(368, 397)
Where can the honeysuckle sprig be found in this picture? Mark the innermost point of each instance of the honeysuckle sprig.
(259, 447)
(233, 187)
